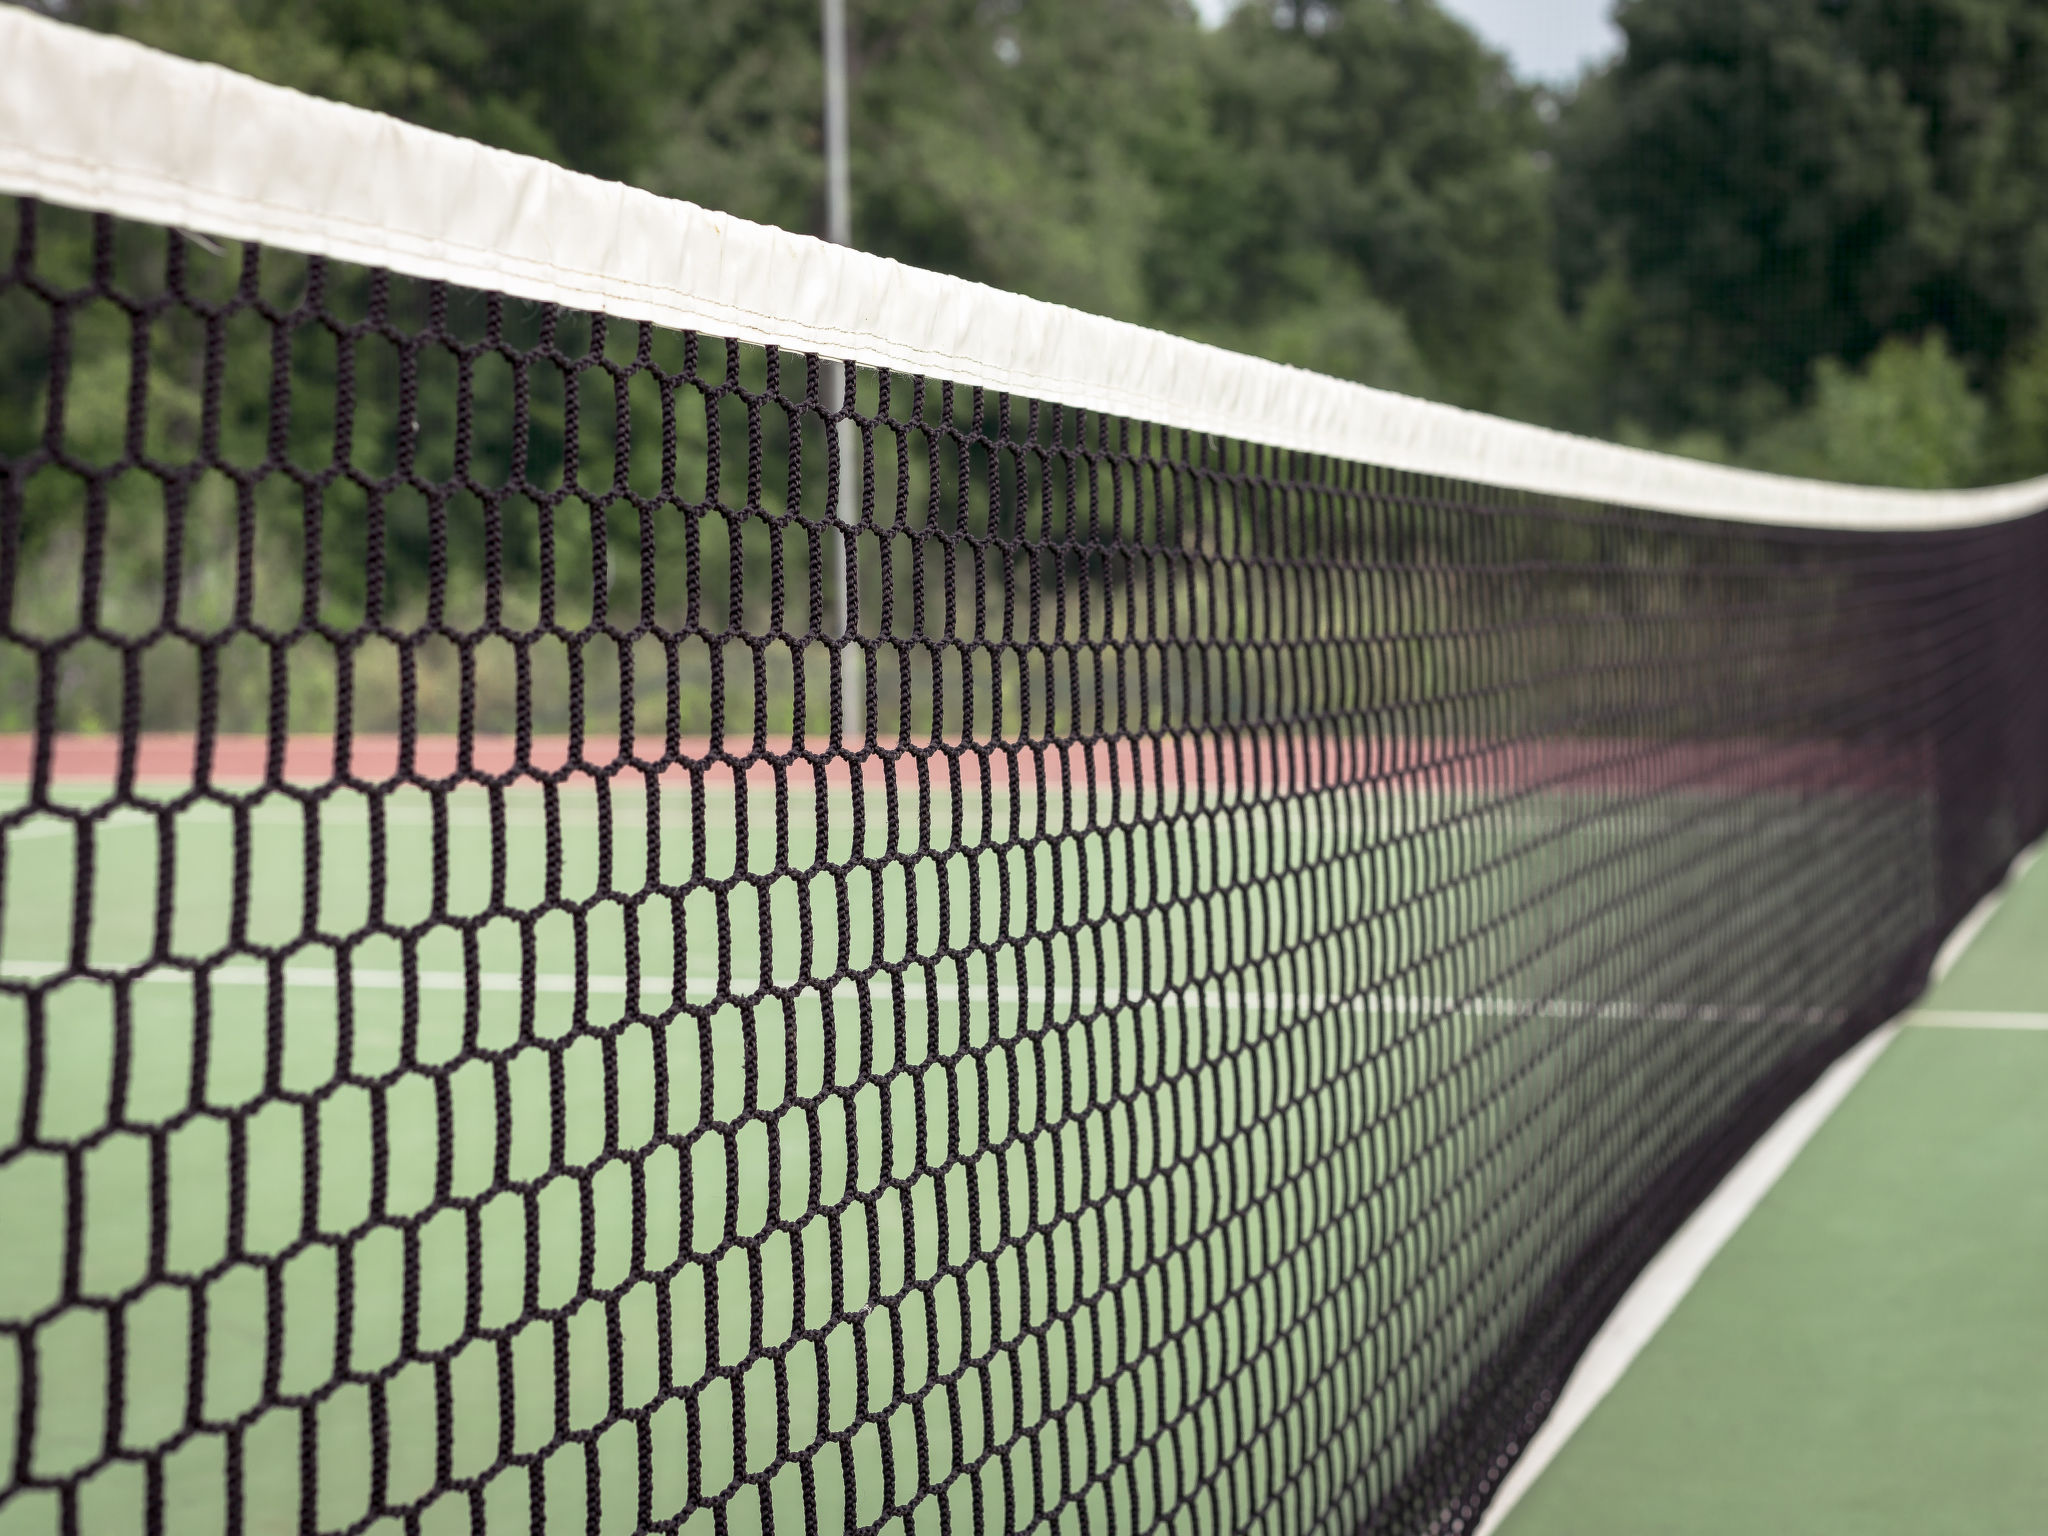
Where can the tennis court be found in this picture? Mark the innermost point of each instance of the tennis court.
(1864, 1355)
(524, 1084)
(656, 876)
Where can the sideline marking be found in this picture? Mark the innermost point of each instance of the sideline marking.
(1968, 930)
(1941, 1019)
(366, 978)
(375, 979)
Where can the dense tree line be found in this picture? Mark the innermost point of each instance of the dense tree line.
(1810, 234)
(1840, 205)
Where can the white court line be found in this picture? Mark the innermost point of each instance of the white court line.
(1941, 1019)
(1678, 1266)
(324, 978)
(1968, 930)
(327, 823)
(367, 979)
(1965, 935)
(211, 819)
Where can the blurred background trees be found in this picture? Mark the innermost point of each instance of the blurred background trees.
(1810, 235)
(1762, 201)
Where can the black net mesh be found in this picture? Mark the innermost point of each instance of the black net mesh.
(603, 930)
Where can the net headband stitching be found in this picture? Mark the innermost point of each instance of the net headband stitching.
(107, 124)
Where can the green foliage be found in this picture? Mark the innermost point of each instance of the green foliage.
(1359, 153)
(2019, 426)
(1349, 335)
(1359, 192)
(1908, 418)
(1011, 143)
(1760, 184)
(571, 80)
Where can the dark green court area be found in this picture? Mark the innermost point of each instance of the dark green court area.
(1865, 1357)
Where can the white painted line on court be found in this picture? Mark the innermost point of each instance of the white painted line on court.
(1940, 1019)
(65, 826)
(1659, 1289)
(1966, 934)
(325, 978)
(212, 817)
(705, 987)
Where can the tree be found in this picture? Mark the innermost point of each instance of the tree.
(1016, 143)
(2018, 437)
(1907, 418)
(1370, 170)
(569, 80)
(1759, 184)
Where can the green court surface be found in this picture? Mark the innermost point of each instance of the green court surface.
(1866, 1356)
(522, 1163)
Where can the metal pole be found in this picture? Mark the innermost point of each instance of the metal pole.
(840, 574)
(838, 178)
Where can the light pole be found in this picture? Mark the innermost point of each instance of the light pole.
(838, 179)
(841, 571)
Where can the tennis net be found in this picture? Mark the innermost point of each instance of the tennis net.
(917, 914)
